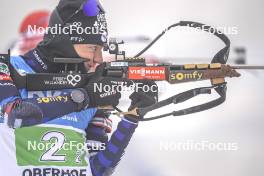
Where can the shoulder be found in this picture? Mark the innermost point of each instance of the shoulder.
(20, 65)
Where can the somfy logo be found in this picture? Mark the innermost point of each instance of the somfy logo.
(74, 79)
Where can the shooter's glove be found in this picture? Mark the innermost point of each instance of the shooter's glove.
(143, 97)
(102, 91)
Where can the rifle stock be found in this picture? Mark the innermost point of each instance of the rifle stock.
(174, 74)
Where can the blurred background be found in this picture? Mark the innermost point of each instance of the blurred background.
(238, 121)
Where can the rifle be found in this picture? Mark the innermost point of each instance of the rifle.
(135, 68)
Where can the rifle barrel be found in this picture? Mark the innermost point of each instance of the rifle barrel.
(248, 67)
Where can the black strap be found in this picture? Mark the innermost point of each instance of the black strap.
(206, 28)
(179, 98)
(220, 57)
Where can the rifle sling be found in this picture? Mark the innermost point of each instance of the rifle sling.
(179, 98)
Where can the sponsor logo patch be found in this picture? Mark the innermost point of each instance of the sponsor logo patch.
(186, 76)
(40, 61)
(4, 69)
(63, 99)
(152, 73)
(74, 79)
(72, 118)
(7, 84)
(4, 77)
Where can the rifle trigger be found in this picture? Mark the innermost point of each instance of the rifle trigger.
(133, 112)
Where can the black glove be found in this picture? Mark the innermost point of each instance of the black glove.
(142, 98)
(102, 91)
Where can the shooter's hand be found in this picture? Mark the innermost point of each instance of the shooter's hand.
(142, 98)
(102, 91)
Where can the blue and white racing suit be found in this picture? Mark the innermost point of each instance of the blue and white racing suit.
(67, 132)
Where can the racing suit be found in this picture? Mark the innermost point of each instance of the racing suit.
(68, 129)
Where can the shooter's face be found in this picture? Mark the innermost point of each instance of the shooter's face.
(93, 54)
